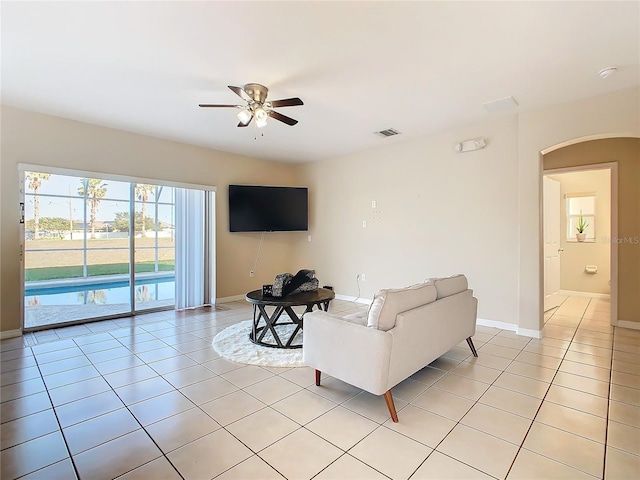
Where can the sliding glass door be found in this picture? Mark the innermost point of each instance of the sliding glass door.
(154, 246)
(99, 248)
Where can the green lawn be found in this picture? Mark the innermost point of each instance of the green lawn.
(56, 273)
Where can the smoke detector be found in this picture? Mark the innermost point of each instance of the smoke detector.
(470, 145)
(607, 72)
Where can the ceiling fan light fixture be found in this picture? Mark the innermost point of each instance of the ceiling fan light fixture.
(255, 96)
(260, 113)
(244, 116)
(261, 122)
(261, 117)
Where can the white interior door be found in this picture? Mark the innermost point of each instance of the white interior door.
(552, 250)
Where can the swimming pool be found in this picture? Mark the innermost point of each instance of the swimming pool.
(151, 289)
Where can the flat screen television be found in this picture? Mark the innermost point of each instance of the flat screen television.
(254, 208)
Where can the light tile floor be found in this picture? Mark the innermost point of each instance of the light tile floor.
(149, 398)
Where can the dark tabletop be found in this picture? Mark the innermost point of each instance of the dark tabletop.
(303, 298)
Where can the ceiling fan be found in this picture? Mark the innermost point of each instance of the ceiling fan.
(257, 106)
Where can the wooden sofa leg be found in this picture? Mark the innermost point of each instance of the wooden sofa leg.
(391, 406)
(472, 347)
(318, 378)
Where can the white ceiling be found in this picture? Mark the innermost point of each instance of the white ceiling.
(360, 67)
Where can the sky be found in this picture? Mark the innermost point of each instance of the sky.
(116, 200)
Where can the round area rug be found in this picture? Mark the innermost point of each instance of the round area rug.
(233, 344)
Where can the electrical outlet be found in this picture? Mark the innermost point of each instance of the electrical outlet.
(251, 273)
(364, 224)
(363, 277)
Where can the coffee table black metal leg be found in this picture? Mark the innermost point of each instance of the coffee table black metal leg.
(295, 319)
(254, 327)
(270, 322)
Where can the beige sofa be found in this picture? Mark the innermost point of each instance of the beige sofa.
(403, 331)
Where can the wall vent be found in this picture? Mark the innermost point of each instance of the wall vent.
(389, 132)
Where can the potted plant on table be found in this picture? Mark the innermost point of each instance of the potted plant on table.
(581, 227)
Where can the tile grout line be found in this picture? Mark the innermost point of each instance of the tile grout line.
(458, 422)
(134, 417)
(64, 439)
(557, 370)
(543, 399)
(222, 427)
(606, 432)
(101, 375)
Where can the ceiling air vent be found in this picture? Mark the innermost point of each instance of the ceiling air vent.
(501, 105)
(389, 132)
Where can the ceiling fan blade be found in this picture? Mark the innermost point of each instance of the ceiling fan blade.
(287, 102)
(216, 105)
(240, 92)
(282, 118)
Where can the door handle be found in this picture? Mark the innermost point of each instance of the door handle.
(561, 249)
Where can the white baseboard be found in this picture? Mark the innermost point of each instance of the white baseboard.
(627, 324)
(365, 301)
(526, 332)
(233, 298)
(10, 334)
(495, 324)
(572, 293)
(512, 327)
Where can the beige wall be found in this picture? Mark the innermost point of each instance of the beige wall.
(626, 152)
(438, 213)
(577, 255)
(37, 139)
(615, 114)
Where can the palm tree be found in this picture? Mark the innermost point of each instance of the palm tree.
(93, 297)
(94, 190)
(142, 194)
(35, 181)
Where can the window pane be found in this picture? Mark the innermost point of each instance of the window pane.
(584, 205)
(166, 194)
(50, 184)
(44, 264)
(110, 261)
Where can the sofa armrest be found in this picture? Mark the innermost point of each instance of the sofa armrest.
(425, 333)
(353, 353)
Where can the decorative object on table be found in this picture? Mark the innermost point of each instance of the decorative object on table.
(267, 290)
(287, 284)
(233, 344)
(581, 227)
(279, 283)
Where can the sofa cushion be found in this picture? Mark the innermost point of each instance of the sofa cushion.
(359, 318)
(387, 303)
(448, 286)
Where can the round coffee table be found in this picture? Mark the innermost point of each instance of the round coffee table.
(319, 298)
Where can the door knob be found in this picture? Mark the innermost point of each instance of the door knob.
(561, 249)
